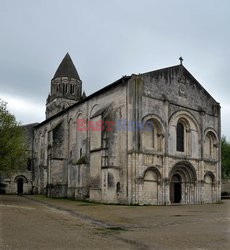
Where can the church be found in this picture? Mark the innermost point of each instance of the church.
(150, 138)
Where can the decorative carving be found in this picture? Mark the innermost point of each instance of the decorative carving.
(57, 81)
(74, 82)
(182, 91)
(183, 81)
(65, 81)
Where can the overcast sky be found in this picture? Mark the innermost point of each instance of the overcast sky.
(106, 40)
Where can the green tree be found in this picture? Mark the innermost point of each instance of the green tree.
(13, 154)
(225, 157)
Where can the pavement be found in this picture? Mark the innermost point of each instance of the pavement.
(37, 222)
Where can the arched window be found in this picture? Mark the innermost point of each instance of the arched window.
(149, 134)
(152, 135)
(71, 88)
(180, 137)
(79, 139)
(29, 164)
(184, 135)
(71, 126)
(210, 145)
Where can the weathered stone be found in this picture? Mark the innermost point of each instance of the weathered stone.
(177, 161)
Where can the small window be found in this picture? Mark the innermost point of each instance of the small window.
(118, 187)
(49, 137)
(180, 137)
(29, 164)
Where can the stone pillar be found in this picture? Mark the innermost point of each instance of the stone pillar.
(166, 191)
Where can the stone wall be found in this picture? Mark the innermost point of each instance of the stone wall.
(128, 164)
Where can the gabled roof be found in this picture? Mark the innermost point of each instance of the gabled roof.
(186, 73)
(124, 80)
(66, 68)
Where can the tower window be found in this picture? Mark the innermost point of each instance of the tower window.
(29, 164)
(71, 89)
(180, 137)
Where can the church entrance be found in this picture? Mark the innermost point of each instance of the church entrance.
(20, 186)
(182, 183)
(175, 189)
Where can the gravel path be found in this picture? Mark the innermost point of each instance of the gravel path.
(36, 222)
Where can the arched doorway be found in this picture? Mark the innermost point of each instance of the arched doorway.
(20, 182)
(20, 186)
(182, 183)
(175, 189)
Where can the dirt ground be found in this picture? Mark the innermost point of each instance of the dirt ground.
(37, 222)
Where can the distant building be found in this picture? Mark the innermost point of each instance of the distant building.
(21, 182)
(163, 147)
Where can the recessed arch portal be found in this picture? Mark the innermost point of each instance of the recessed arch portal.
(182, 183)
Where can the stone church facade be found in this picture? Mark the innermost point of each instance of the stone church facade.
(21, 182)
(151, 138)
(177, 161)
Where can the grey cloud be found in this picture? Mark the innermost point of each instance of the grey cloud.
(108, 39)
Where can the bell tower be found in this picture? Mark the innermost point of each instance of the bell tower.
(66, 88)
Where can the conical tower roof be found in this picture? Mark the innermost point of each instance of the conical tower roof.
(66, 68)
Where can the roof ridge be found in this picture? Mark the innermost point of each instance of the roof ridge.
(161, 69)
